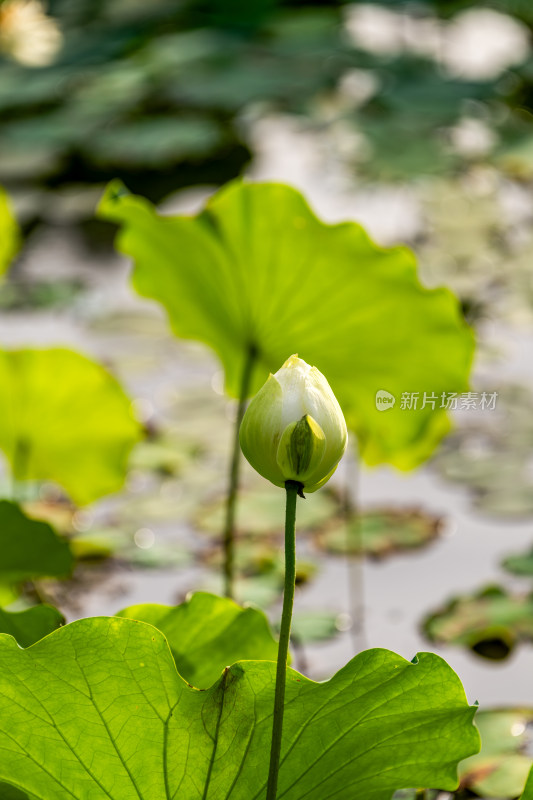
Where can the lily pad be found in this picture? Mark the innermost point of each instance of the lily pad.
(260, 572)
(261, 590)
(314, 626)
(501, 768)
(110, 686)
(30, 625)
(380, 533)
(261, 511)
(206, 633)
(99, 544)
(64, 418)
(9, 233)
(257, 273)
(24, 295)
(30, 549)
(490, 622)
(157, 141)
(493, 460)
(520, 564)
(162, 454)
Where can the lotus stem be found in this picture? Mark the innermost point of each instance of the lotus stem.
(293, 489)
(231, 499)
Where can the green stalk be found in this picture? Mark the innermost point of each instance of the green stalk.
(293, 488)
(231, 499)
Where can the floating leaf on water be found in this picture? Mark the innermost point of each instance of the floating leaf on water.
(260, 511)
(501, 768)
(314, 626)
(28, 295)
(520, 564)
(380, 533)
(158, 142)
(99, 544)
(159, 555)
(162, 454)
(490, 622)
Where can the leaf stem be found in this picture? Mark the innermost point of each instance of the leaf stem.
(231, 499)
(293, 489)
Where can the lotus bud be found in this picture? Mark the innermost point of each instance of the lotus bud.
(294, 429)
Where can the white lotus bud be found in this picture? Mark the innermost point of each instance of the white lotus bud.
(294, 428)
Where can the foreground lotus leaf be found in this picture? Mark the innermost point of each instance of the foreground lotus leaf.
(97, 710)
(64, 418)
(206, 633)
(256, 271)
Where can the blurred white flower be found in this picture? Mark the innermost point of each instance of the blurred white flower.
(27, 34)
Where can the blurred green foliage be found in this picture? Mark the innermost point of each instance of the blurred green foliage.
(156, 93)
(151, 91)
(65, 419)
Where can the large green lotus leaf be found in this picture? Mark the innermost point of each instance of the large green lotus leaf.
(97, 710)
(9, 233)
(64, 418)
(30, 625)
(257, 269)
(206, 633)
(30, 548)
